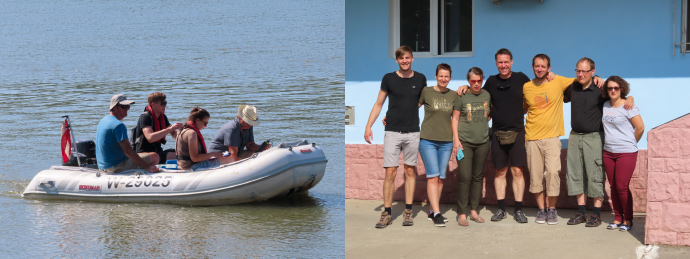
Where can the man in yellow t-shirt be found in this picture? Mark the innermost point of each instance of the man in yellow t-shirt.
(543, 103)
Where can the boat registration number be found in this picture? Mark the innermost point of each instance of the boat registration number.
(139, 181)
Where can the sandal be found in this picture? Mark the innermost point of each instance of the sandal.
(462, 222)
(625, 227)
(614, 226)
(478, 219)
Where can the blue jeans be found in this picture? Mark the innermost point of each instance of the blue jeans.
(206, 164)
(435, 155)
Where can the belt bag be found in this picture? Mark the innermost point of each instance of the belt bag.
(506, 137)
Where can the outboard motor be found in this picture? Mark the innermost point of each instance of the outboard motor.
(86, 150)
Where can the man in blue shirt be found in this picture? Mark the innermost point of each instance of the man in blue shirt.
(114, 153)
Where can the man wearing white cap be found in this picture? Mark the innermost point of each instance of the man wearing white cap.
(235, 135)
(114, 153)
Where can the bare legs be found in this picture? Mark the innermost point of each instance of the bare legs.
(500, 183)
(434, 187)
(389, 185)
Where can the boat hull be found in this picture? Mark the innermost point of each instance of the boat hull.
(281, 170)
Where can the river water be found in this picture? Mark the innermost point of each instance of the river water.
(69, 57)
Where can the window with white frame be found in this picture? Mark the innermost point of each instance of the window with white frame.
(431, 27)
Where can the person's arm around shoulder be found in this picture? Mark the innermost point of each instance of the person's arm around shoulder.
(629, 103)
(462, 89)
(375, 111)
(567, 94)
(132, 155)
(598, 81)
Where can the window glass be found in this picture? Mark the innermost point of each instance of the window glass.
(458, 25)
(415, 25)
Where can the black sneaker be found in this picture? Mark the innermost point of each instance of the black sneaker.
(519, 217)
(438, 220)
(577, 219)
(593, 221)
(430, 216)
(499, 215)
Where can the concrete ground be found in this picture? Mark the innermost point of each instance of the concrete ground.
(504, 239)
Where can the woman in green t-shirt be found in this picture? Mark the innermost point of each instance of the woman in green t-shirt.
(470, 126)
(436, 143)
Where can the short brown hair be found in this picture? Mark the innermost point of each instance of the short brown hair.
(443, 66)
(588, 60)
(544, 57)
(156, 97)
(402, 50)
(503, 51)
(625, 87)
(476, 71)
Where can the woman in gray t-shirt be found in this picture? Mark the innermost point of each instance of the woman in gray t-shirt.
(623, 129)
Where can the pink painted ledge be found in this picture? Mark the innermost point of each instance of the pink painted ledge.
(364, 176)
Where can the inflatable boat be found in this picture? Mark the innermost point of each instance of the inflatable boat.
(283, 169)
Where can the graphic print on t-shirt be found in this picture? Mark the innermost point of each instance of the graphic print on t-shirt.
(441, 104)
(477, 111)
(541, 100)
(609, 116)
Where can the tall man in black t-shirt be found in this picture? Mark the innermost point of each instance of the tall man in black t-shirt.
(153, 126)
(507, 115)
(402, 130)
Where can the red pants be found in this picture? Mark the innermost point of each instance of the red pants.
(619, 170)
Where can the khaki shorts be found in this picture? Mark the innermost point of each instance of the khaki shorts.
(128, 164)
(544, 163)
(395, 142)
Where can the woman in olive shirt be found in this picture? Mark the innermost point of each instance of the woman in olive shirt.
(470, 126)
(436, 143)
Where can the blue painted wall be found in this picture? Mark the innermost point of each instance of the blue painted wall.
(632, 39)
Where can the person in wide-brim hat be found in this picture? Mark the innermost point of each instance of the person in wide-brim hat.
(237, 136)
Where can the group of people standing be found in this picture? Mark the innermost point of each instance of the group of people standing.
(115, 153)
(606, 127)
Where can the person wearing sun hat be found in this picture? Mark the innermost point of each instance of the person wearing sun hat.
(237, 136)
(114, 153)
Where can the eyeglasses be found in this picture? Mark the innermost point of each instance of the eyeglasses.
(476, 81)
(205, 123)
(582, 71)
(125, 107)
(164, 103)
(615, 88)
